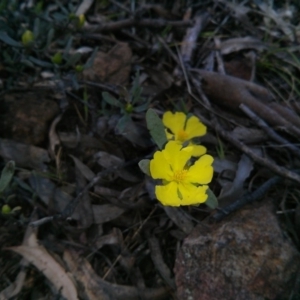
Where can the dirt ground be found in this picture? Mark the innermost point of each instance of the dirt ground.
(79, 218)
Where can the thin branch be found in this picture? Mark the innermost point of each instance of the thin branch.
(263, 125)
(248, 198)
(281, 171)
(131, 22)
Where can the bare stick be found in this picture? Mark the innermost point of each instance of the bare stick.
(281, 171)
(263, 125)
(151, 23)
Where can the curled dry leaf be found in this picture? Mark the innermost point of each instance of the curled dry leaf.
(238, 44)
(233, 191)
(52, 270)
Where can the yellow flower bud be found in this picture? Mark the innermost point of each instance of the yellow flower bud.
(78, 68)
(6, 209)
(27, 38)
(57, 58)
(129, 108)
(81, 20)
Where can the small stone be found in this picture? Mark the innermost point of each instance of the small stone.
(246, 256)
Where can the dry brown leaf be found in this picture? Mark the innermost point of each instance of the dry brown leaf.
(95, 288)
(52, 270)
(106, 212)
(24, 155)
(84, 169)
(236, 189)
(238, 44)
(113, 238)
(84, 7)
(179, 218)
(112, 67)
(53, 137)
(83, 212)
(107, 160)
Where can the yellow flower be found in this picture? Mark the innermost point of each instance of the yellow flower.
(182, 184)
(183, 130)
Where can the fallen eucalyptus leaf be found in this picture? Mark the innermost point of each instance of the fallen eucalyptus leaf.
(53, 271)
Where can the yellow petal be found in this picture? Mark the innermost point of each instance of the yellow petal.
(198, 150)
(201, 171)
(176, 155)
(174, 122)
(191, 194)
(194, 127)
(160, 167)
(167, 194)
(169, 135)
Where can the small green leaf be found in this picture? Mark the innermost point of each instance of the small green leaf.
(91, 59)
(72, 60)
(144, 165)
(122, 124)
(212, 201)
(40, 62)
(108, 98)
(6, 175)
(156, 128)
(4, 37)
(50, 36)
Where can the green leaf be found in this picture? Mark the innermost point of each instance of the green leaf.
(108, 98)
(144, 165)
(40, 62)
(142, 107)
(4, 37)
(122, 124)
(6, 175)
(72, 60)
(212, 201)
(50, 36)
(91, 59)
(156, 128)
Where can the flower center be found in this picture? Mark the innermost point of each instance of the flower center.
(179, 176)
(182, 135)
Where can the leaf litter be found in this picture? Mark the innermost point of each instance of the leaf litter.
(96, 216)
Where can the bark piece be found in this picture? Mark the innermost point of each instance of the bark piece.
(230, 92)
